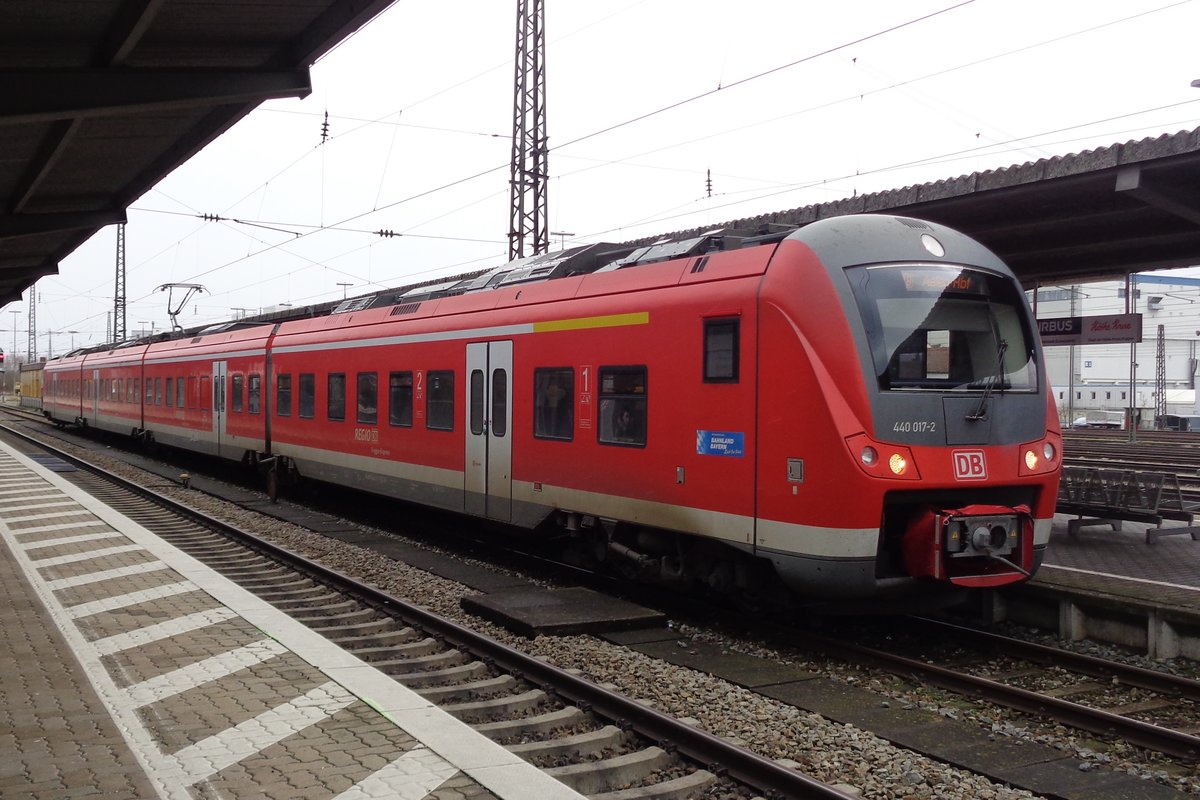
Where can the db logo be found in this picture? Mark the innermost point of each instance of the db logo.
(969, 465)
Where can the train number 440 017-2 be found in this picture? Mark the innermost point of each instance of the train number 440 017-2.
(915, 426)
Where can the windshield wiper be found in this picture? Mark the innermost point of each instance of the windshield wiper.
(993, 380)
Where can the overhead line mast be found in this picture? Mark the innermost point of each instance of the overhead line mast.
(119, 330)
(529, 227)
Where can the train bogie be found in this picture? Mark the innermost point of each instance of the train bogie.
(857, 409)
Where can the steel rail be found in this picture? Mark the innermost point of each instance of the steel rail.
(1127, 674)
(1144, 734)
(712, 751)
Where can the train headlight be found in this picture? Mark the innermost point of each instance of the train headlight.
(1041, 457)
(881, 460)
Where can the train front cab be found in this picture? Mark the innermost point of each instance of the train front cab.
(916, 441)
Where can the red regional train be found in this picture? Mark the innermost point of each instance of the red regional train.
(857, 407)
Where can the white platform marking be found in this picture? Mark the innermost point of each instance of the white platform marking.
(220, 666)
(209, 756)
(75, 558)
(65, 526)
(106, 575)
(131, 599)
(50, 502)
(412, 776)
(43, 514)
(27, 490)
(163, 630)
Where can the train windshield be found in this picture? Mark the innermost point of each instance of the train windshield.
(944, 328)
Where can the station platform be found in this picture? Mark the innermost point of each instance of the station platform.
(1167, 571)
(130, 670)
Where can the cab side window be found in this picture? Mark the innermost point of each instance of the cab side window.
(721, 350)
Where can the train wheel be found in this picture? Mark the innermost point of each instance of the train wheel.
(756, 587)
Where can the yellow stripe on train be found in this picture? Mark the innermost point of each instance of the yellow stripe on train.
(583, 323)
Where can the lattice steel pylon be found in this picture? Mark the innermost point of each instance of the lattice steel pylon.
(1160, 378)
(31, 355)
(118, 334)
(528, 219)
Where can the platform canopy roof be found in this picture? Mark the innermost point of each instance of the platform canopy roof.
(104, 98)
(1096, 214)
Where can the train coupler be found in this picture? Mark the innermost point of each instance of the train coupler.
(977, 545)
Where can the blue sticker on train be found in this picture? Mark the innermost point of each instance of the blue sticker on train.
(720, 443)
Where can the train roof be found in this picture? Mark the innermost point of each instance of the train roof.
(572, 261)
(581, 260)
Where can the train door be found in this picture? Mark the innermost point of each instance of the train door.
(489, 430)
(218, 406)
(95, 398)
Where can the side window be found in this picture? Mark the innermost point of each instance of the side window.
(180, 392)
(499, 402)
(400, 399)
(439, 403)
(623, 406)
(192, 392)
(337, 396)
(477, 399)
(170, 391)
(283, 396)
(368, 398)
(158, 392)
(254, 396)
(205, 393)
(721, 350)
(308, 395)
(149, 391)
(236, 392)
(554, 403)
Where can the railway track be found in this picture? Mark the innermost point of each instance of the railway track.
(1125, 703)
(1154, 710)
(595, 740)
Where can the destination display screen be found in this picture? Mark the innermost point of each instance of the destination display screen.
(942, 280)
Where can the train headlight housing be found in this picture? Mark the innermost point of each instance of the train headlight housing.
(1040, 457)
(881, 460)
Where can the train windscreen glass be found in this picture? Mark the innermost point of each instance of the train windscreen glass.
(942, 328)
